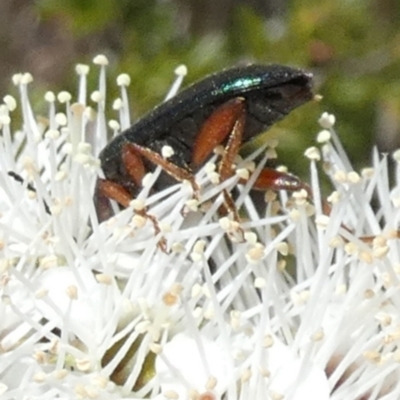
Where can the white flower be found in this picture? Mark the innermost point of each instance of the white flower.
(306, 307)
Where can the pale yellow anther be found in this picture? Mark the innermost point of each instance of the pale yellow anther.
(165, 227)
(341, 289)
(270, 196)
(272, 142)
(271, 153)
(16, 79)
(396, 155)
(334, 197)
(295, 215)
(143, 326)
(250, 237)
(372, 356)
(245, 375)
(64, 97)
(123, 80)
(138, 221)
(281, 265)
(105, 279)
(26, 78)
(61, 119)
(53, 134)
(177, 247)
(366, 256)
(83, 364)
(259, 283)
(210, 167)
(192, 205)
(181, 70)
(369, 294)
(318, 335)
(50, 97)
(72, 292)
(167, 151)
(82, 69)
(214, 177)
(39, 377)
(225, 223)
(60, 374)
(380, 252)
(243, 173)
(249, 165)
(100, 59)
(48, 261)
(84, 148)
(368, 173)
(211, 383)
(353, 177)
(41, 293)
(340, 176)
(97, 96)
(336, 242)
(170, 395)
(117, 104)
(282, 248)
(82, 158)
(199, 246)
(60, 176)
(10, 102)
(322, 221)
(327, 120)
(313, 153)
(256, 253)
(300, 196)
(350, 248)
(324, 136)
(5, 120)
(114, 125)
(137, 204)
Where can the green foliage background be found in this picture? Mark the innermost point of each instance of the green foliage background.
(352, 47)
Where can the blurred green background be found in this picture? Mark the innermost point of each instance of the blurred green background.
(352, 47)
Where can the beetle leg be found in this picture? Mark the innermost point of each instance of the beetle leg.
(275, 180)
(133, 164)
(218, 126)
(213, 132)
(179, 173)
(225, 169)
(107, 189)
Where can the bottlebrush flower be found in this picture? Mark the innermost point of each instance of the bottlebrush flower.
(306, 307)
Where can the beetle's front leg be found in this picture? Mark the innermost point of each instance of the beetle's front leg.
(107, 190)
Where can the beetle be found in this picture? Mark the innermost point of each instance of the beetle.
(229, 108)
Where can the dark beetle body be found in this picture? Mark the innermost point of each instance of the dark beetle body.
(269, 92)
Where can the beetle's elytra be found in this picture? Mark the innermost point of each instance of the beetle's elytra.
(242, 102)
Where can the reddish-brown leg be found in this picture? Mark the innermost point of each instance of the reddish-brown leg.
(107, 190)
(179, 173)
(275, 180)
(133, 164)
(225, 168)
(215, 130)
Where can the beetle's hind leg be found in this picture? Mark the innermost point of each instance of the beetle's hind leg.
(179, 173)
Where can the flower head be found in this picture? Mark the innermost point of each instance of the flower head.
(305, 306)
